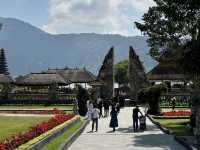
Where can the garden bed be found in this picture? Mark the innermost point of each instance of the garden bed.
(176, 126)
(15, 124)
(36, 130)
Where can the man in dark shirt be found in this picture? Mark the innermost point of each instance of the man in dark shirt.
(135, 116)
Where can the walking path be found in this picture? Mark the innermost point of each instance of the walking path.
(124, 138)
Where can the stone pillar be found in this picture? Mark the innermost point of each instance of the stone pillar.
(106, 75)
(136, 74)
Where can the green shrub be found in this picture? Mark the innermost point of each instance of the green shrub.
(82, 96)
(152, 95)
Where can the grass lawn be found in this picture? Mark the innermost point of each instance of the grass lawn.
(14, 125)
(54, 144)
(65, 107)
(177, 126)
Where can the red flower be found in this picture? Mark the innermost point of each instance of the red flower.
(177, 113)
(36, 130)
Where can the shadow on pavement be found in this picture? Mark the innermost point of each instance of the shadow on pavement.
(156, 140)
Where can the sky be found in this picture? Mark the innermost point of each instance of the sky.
(78, 16)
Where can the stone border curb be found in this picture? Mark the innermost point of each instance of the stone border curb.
(38, 145)
(182, 141)
(67, 143)
(165, 130)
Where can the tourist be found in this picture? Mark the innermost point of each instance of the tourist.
(173, 103)
(95, 117)
(135, 116)
(89, 110)
(146, 108)
(106, 108)
(99, 104)
(114, 120)
(75, 108)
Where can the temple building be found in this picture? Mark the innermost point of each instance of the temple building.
(79, 76)
(169, 72)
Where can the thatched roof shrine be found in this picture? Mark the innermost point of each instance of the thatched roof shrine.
(41, 79)
(166, 71)
(75, 75)
(5, 79)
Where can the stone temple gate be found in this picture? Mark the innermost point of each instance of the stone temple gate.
(136, 75)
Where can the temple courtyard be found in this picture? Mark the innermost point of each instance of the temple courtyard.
(124, 138)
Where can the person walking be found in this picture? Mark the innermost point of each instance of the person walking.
(106, 108)
(135, 116)
(90, 109)
(173, 103)
(114, 120)
(95, 117)
(99, 104)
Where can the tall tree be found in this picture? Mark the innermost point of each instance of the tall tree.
(173, 22)
(3, 63)
(1, 25)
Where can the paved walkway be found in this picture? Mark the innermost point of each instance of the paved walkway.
(124, 138)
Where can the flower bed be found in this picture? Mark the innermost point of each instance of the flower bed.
(176, 113)
(35, 131)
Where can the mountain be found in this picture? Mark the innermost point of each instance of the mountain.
(29, 49)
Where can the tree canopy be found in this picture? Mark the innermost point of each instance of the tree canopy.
(120, 72)
(173, 22)
(1, 25)
(3, 63)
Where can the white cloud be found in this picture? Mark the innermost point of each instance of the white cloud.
(99, 16)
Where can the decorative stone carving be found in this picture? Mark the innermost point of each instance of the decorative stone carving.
(136, 74)
(106, 75)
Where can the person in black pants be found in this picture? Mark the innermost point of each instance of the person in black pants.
(95, 117)
(135, 116)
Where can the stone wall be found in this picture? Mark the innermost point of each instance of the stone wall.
(136, 73)
(106, 75)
